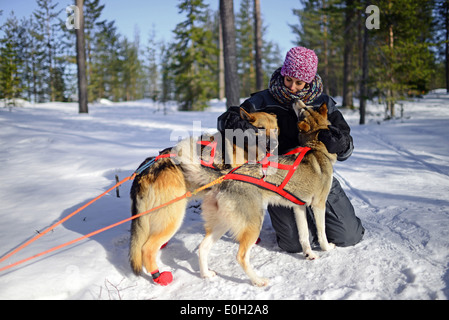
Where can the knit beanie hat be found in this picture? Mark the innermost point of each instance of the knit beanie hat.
(300, 63)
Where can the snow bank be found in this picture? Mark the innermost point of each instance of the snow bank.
(53, 160)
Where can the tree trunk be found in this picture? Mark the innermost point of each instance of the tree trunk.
(446, 18)
(81, 61)
(325, 68)
(221, 77)
(389, 114)
(258, 45)
(347, 55)
(363, 93)
(232, 86)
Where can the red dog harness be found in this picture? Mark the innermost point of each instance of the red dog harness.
(265, 162)
(301, 151)
(213, 146)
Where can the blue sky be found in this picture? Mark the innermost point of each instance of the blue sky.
(162, 15)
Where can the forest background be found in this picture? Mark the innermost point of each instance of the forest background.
(385, 50)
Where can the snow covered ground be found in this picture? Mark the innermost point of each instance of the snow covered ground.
(53, 160)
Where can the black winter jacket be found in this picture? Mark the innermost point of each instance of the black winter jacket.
(338, 139)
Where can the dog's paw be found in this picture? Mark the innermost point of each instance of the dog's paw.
(208, 274)
(164, 279)
(310, 255)
(260, 282)
(329, 247)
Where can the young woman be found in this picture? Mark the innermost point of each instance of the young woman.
(297, 79)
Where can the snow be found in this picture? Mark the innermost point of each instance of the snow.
(53, 160)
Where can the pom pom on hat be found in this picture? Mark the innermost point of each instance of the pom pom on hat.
(300, 63)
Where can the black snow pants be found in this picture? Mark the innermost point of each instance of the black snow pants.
(343, 228)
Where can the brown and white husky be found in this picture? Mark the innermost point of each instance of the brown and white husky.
(238, 206)
(165, 180)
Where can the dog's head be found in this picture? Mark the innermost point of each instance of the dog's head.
(266, 123)
(311, 120)
(261, 120)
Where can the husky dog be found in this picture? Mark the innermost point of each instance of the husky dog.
(165, 180)
(238, 206)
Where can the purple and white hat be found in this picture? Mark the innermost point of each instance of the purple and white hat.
(300, 63)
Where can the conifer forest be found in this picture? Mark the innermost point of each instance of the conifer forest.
(386, 50)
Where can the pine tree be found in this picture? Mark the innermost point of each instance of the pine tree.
(271, 56)
(229, 53)
(258, 45)
(348, 52)
(9, 78)
(441, 34)
(131, 70)
(36, 72)
(194, 66)
(272, 59)
(320, 29)
(49, 28)
(152, 74)
(221, 74)
(245, 48)
(400, 52)
(105, 64)
(364, 63)
(11, 62)
(403, 62)
(25, 54)
(92, 28)
(167, 77)
(81, 60)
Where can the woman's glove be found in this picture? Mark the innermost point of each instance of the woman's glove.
(232, 120)
(334, 140)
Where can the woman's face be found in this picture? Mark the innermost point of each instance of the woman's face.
(294, 84)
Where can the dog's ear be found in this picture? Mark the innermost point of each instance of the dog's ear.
(323, 110)
(303, 127)
(246, 116)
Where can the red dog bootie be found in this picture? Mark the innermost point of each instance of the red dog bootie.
(163, 278)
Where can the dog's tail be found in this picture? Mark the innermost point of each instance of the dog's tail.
(139, 230)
